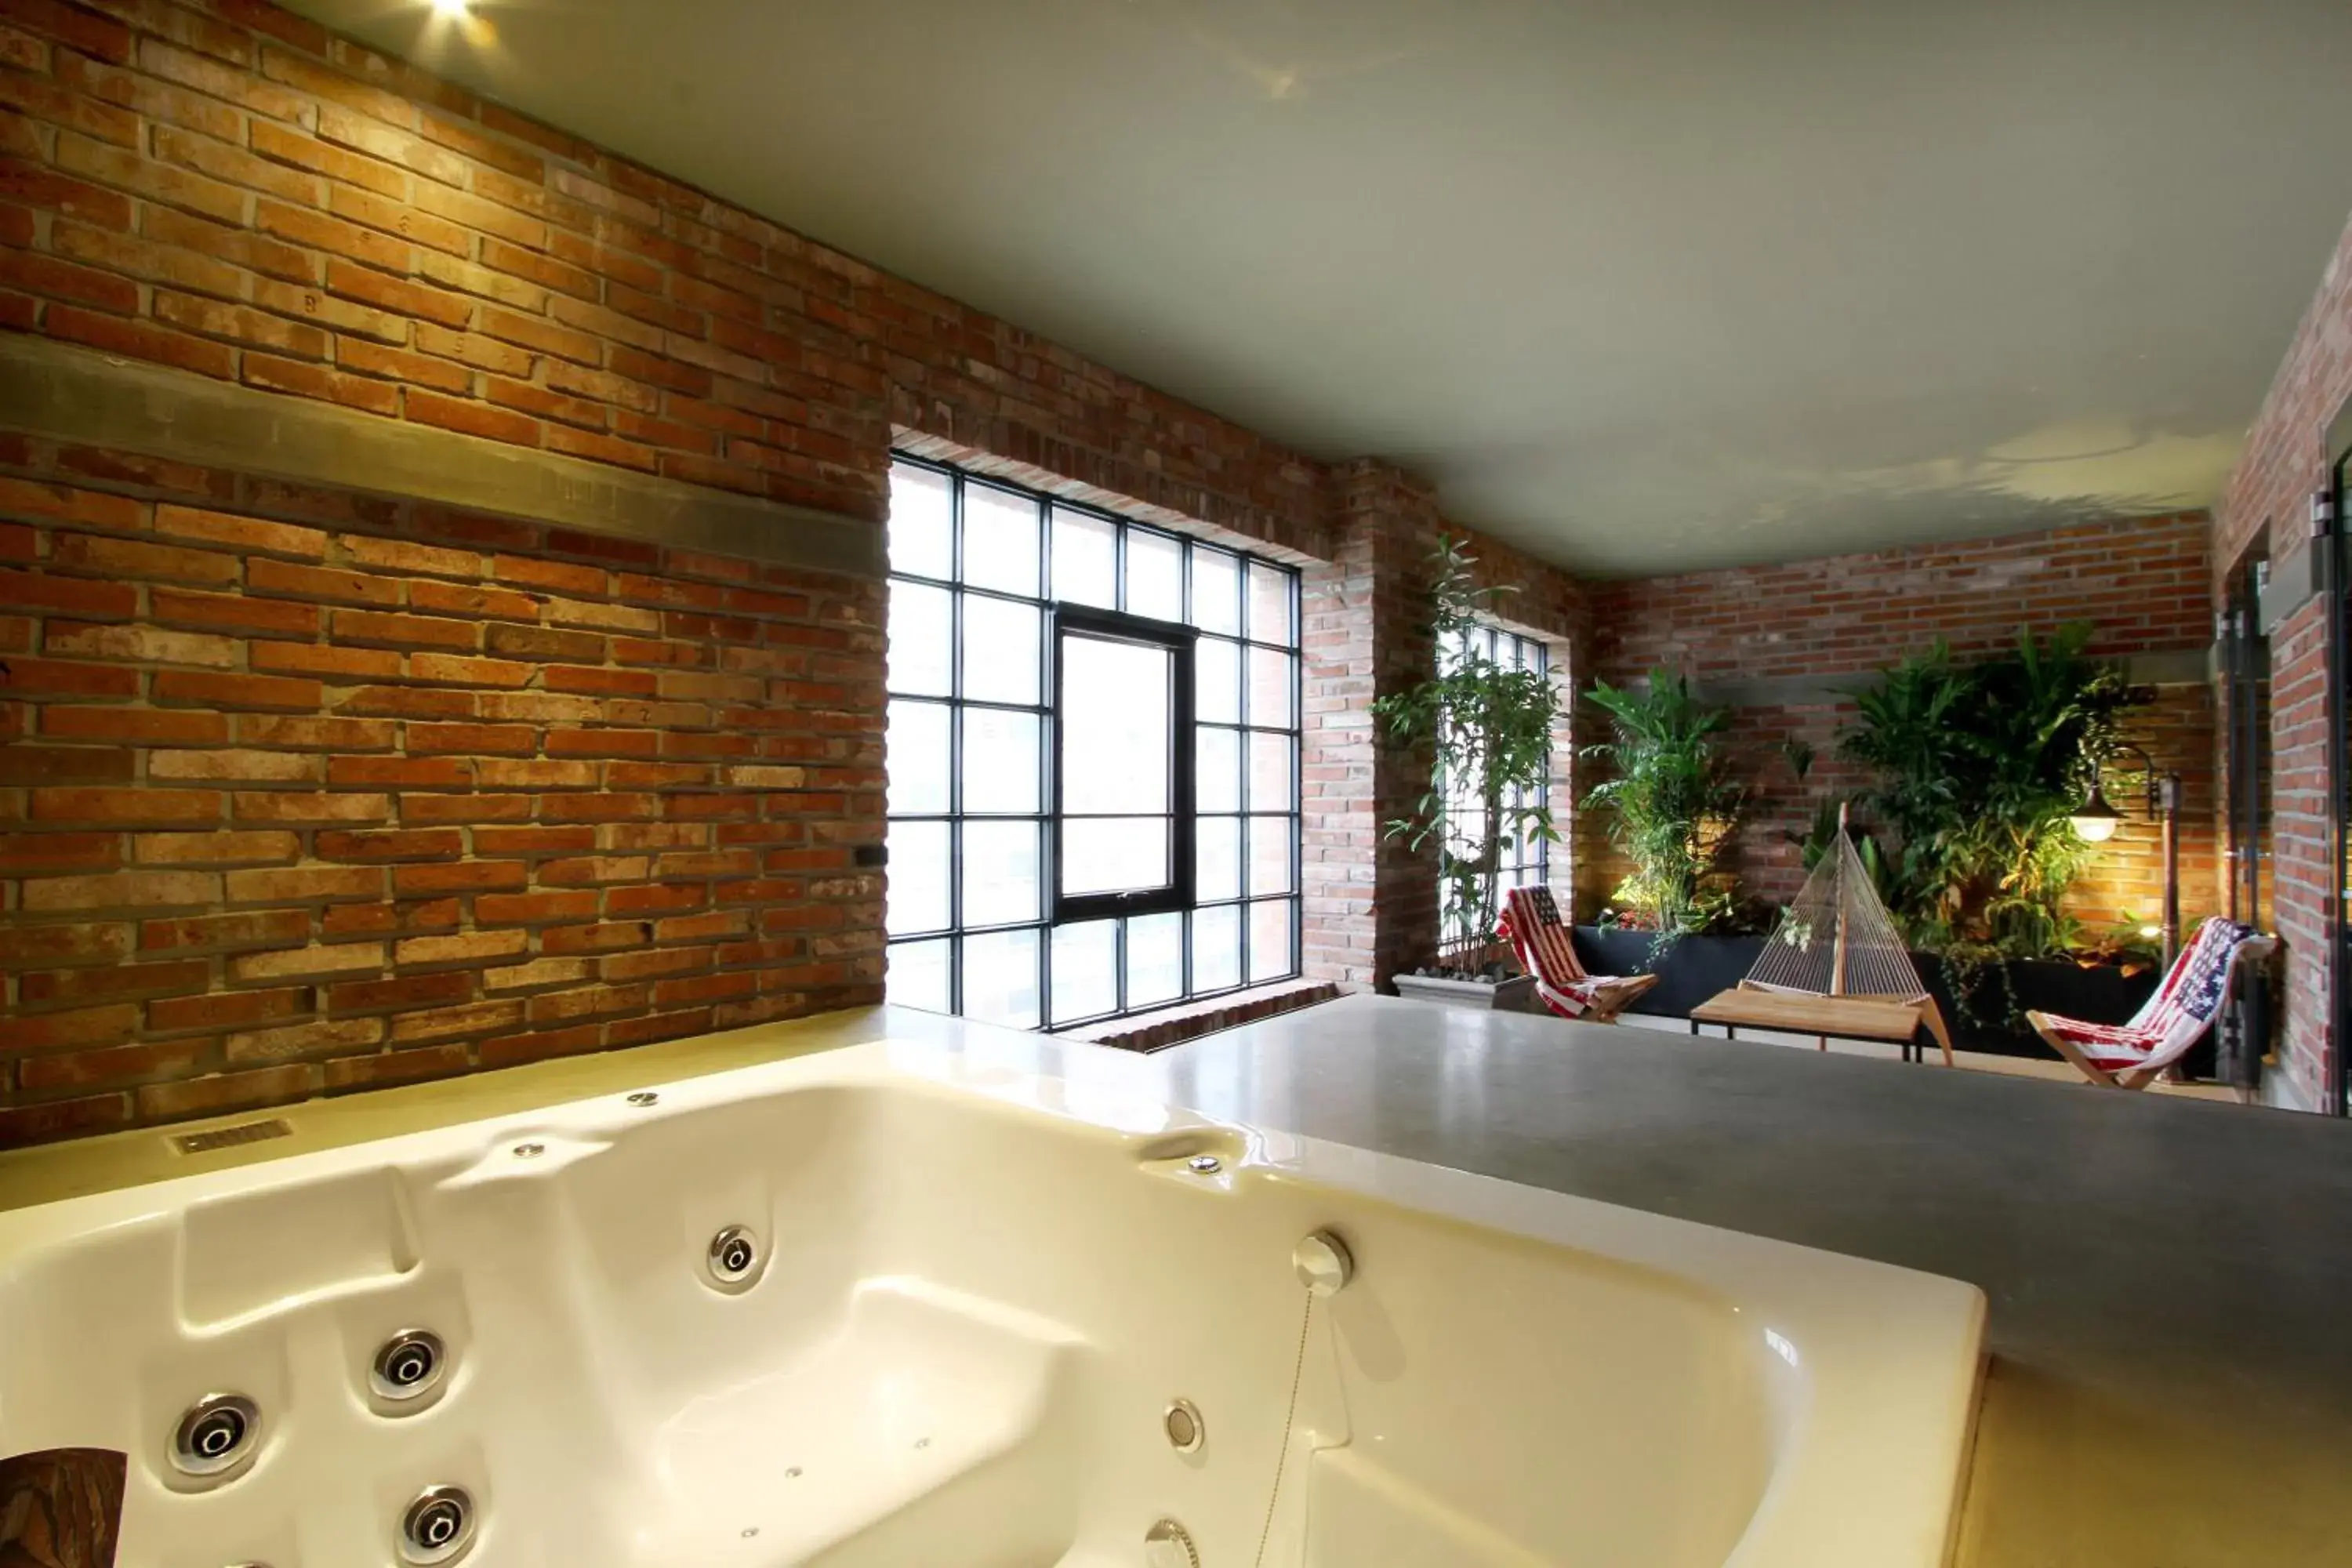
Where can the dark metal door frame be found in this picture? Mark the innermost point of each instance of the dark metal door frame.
(2245, 674)
(2328, 511)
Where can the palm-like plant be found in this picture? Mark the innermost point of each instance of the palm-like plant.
(1484, 728)
(1674, 805)
(1980, 766)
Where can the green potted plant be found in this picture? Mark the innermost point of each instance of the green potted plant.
(1674, 807)
(1978, 767)
(1483, 730)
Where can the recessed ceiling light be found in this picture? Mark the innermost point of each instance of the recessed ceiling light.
(450, 7)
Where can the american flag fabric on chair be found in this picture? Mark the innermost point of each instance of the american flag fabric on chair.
(1548, 951)
(2130, 1055)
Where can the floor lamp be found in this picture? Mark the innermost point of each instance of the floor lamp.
(2096, 822)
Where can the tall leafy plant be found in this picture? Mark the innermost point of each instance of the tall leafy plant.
(1674, 807)
(1978, 767)
(1483, 728)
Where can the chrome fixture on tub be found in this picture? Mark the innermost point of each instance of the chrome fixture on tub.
(217, 1435)
(1181, 1421)
(1324, 1263)
(409, 1366)
(733, 1259)
(437, 1527)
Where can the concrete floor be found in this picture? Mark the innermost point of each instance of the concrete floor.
(2049, 1072)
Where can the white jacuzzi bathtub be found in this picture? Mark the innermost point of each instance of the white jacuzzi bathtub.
(977, 1296)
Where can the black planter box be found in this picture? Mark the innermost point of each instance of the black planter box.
(1697, 967)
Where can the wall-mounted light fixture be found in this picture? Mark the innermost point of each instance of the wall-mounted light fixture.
(2096, 822)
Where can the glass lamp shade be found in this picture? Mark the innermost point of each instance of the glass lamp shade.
(2097, 822)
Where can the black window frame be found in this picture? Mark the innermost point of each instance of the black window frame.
(1086, 622)
(1246, 930)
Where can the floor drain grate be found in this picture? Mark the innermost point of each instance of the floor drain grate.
(232, 1137)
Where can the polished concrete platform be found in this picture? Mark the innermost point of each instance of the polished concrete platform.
(2170, 1279)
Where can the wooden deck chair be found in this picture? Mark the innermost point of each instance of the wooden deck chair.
(2130, 1056)
(1547, 950)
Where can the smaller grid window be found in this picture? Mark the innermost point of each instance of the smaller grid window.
(1526, 861)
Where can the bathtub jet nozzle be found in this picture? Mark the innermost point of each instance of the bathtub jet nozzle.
(408, 1366)
(437, 1527)
(733, 1259)
(217, 1437)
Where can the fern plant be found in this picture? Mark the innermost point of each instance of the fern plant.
(1485, 730)
(1674, 807)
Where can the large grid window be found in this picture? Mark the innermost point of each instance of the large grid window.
(1094, 790)
(1526, 861)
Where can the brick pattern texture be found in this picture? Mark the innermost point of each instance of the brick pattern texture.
(231, 189)
(2144, 582)
(1372, 905)
(310, 792)
(304, 793)
(2264, 512)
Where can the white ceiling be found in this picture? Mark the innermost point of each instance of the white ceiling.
(1643, 285)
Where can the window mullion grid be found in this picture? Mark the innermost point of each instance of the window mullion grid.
(1297, 803)
(1249, 808)
(1242, 923)
(955, 747)
(1044, 841)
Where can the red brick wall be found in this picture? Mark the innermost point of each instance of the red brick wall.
(222, 188)
(231, 189)
(2266, 510)
(2145, 583)
(304, 793)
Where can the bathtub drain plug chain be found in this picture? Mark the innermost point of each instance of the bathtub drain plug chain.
(1289, 1418)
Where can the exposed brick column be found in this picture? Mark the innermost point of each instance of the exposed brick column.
(2265, 510)
(1372, 905)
